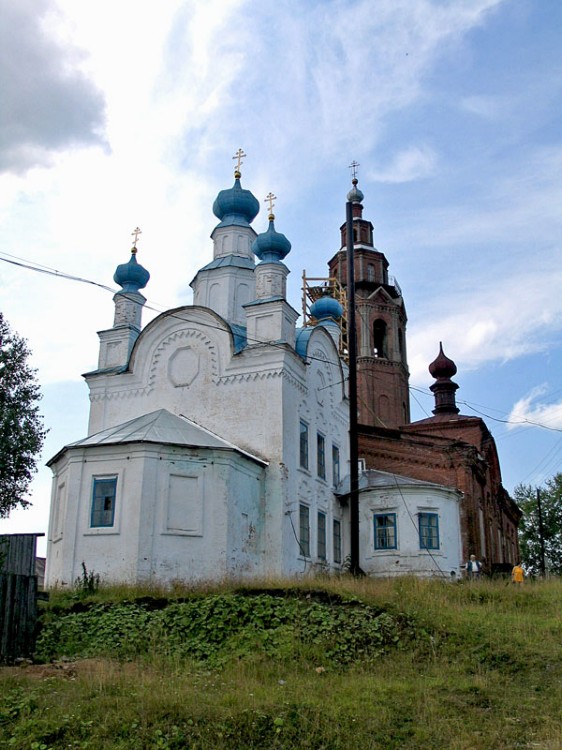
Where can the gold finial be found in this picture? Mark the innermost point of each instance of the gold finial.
(239, 155)
(270, 197)
(135, 234)
(353, 166)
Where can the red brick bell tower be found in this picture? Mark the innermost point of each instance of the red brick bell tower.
(382, 365)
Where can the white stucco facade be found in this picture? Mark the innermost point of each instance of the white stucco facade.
(241, 373)
(409, 527)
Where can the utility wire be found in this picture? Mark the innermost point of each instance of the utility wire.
(151, 306)
(22, 263)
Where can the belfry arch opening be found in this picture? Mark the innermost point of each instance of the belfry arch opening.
(380, 339)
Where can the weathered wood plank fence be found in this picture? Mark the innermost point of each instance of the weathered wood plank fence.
(18, 596)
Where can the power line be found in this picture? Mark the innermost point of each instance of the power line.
(53, 272)
(32, 266)
(149, 306)
(511, 421)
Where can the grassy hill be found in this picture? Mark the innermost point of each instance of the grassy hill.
(332, 664)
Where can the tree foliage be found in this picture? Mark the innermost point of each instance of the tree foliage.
(21, 425)
(529, 526)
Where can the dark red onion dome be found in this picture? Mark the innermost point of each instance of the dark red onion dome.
(442, 369)
(442, 366)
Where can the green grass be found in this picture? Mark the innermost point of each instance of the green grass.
(462, 666)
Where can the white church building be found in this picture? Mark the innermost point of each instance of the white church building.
(218, 435)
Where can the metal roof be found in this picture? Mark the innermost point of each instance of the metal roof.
(161, 427)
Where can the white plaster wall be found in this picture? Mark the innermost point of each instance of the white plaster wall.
(233, 240)
(245, 533)
(184, 362)
(139, 546)
(110, 552)
(320, 402)
(406, 502)
(225, 290)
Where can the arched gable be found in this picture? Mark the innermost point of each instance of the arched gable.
(181, 345)
(317, 347)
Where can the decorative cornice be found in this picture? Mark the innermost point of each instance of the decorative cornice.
(257, 375)
(381, 362)
(392, 307)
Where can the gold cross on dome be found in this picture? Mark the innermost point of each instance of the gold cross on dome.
(353, 166)
(135, 234)
(239, 155)
(270, 197)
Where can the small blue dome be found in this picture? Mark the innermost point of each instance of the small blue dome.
(271, 246)
(236, 205)
(131, 276)
(355, 195)
(326, 307)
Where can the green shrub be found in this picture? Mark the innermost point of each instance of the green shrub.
(217, 627)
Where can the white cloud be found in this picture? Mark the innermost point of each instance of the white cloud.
(48, 104)
(410, 164)
(489, 323)
(514, 199)
(488, 107)
(531, 410)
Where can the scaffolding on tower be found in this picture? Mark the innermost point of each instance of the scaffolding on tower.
(315, 287)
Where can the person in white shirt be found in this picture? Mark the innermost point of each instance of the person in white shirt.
(473, 567)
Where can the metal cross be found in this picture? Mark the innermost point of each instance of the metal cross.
(353, 166)
(135, 234)
(239, 155)
(270, 197)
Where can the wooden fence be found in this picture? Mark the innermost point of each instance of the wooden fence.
(18, 596)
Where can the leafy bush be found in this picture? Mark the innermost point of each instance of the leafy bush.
(217, 627)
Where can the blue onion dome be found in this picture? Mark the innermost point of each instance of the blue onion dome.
(326, 307)
(355, 195)
(131, 276)
(236, 206)
(271, 246)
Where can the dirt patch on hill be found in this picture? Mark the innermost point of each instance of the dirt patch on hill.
(68, 669)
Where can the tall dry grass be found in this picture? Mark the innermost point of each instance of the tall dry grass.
(485, 674)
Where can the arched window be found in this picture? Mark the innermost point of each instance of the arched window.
(379, 339)
(384, 410)
(370, 272)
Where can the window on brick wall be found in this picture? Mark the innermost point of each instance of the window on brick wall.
(379, 338)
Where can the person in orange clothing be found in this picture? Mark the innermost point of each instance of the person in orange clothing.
(517, 574)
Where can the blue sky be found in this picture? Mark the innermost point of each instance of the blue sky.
(117, 115)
